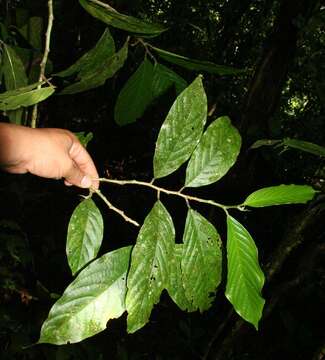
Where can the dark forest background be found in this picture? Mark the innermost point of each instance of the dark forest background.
(281, 94)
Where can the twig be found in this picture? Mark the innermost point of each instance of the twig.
(171, 192)
(45, 56)
(113, 208)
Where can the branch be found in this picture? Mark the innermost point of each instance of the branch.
(113, 208)
(179, 193)
(44, 59)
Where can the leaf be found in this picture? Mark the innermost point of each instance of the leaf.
(84, 138)
(164, 78)
(265, 142)
(305, 146)
(14, 77)
(280, 195)
(94, 297)
(13, 69)
(201, 261)
(85, 235)
(135, 95)
(93, 59)
(182, 129)
(110, 16)
(32, 31)
(197, 65)
(215, 155)
(175, 286)
(108, 68)
(149, 270)
(25, 96)
(245, 278)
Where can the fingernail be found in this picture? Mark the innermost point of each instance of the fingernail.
(86, 182)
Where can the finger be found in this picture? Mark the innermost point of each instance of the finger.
(67, 183)
(84, 162)
(75, 176)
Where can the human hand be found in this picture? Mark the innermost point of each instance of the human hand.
(49, 153)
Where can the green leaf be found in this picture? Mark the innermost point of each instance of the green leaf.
(164, 78)
(135, 95)
(85, 235)
(201, 260)
(25, 96)
(84, 138)
(13, 69)
(215, 155)
(245, 278)
(99, 75)
(182, 129)
(175, 286)
(280, 195)
(110, 16)
(150, 262)
(32, 31)
(197, 65)
(94, 297)
(305, 146)
(265, 142)
(93, 59)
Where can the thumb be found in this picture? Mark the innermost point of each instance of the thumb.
(75, 176)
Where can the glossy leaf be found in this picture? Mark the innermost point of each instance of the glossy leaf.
(215, 155)
(93, 59)
(280, 195)
(182, 129)
(25, 96)
(110, 16)
(85, 235)
(201, 261)
(135, 95)
(164, 78)
(98, 76)
(175, 286)
(150, 266)
(245, 278)
(94, 297)
(197, 65)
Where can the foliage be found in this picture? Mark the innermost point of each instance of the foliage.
(188, 266)
(194, 276)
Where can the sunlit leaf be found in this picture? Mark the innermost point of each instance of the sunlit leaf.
(25, 96)
(164, 78)
(94, 297)
(98, 76)
(182, 129)
(215, 155)
(85, 235)
(201, 261)
(135, 95)
(245, 278)
(280, 195)
(175, 286)
(104, 12)
(150, 266)
(93, 59)
(198, 65)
